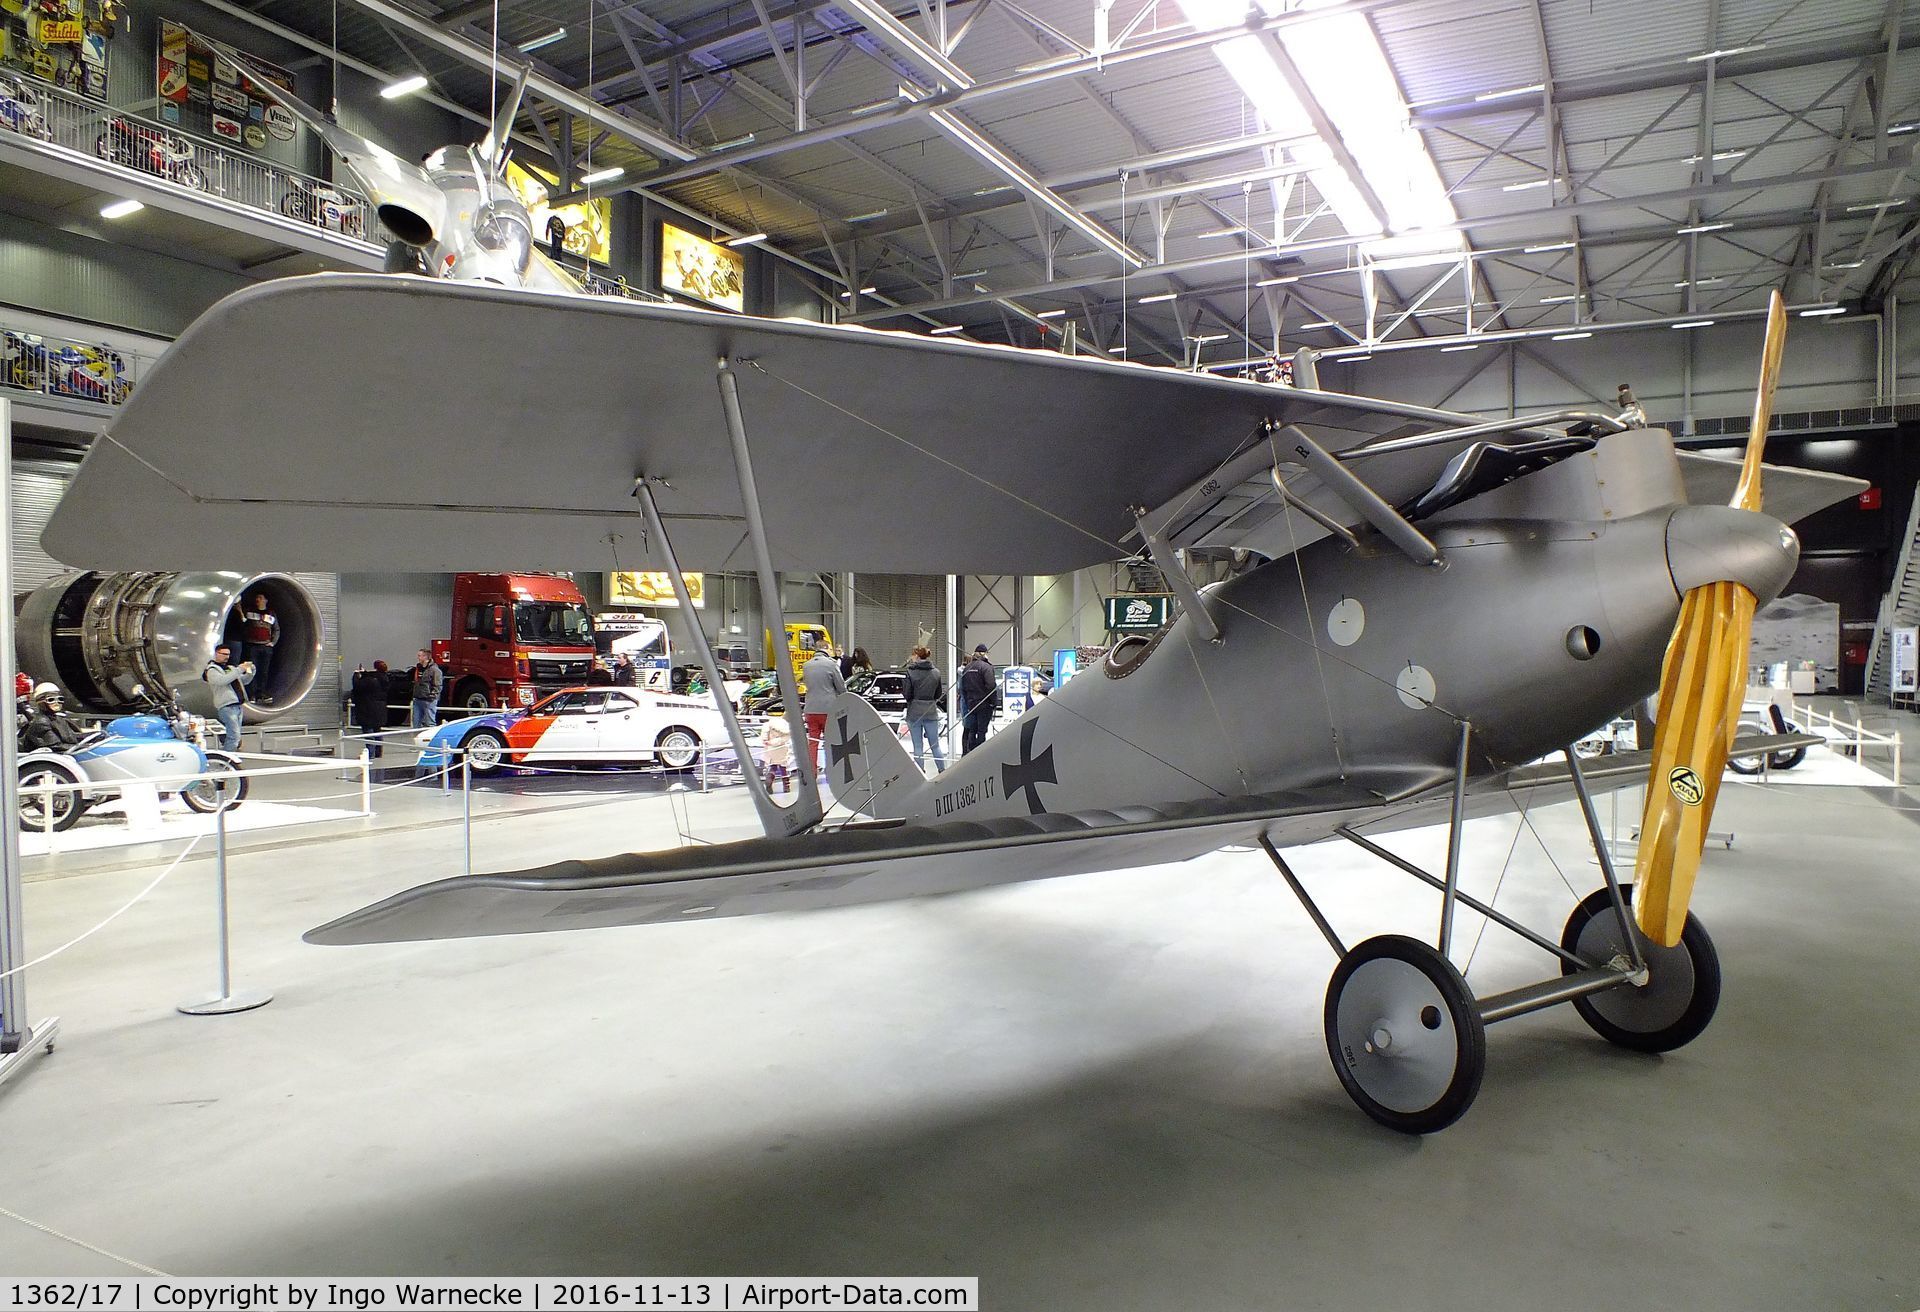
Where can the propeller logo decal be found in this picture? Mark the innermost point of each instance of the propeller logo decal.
(1685, 785)
(1029, 772)
(844, 751)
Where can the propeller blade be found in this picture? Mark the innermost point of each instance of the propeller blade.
(1702, 682)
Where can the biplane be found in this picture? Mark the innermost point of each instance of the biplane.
(1433, 605)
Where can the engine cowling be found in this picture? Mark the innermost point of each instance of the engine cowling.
(96, 636)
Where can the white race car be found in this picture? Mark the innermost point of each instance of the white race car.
(581, 725)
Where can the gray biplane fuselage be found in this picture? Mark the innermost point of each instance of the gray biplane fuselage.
(1357, 665)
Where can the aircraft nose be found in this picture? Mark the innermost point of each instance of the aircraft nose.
(1708, 544)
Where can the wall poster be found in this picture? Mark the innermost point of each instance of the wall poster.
(202, 91)
(650, 587)
(59, 41)
(702, 269)
(586, 225)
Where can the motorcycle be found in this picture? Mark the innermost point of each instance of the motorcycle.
(91, 373)
(164, 743)
(20, 110)
(149, 149)
(322, 206)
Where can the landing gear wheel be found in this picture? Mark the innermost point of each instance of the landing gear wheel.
(1682, 990)
(1405, 1036)
(65, 806)
(203, 795)
(677, 748)
(486, 750)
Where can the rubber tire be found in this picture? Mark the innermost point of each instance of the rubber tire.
(1694, 942)
(483, 764)
(207, 805)
(692, 753)
(471, 695)
(62, 821)
(1471, 1032)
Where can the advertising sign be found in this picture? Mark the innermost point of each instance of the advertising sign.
(1138, 614)
(1066, 664)
(1016, 689)
(59, 41)
(587, 224)
(652, 588)
(202, 90)
(1906, 661)
(702, 269)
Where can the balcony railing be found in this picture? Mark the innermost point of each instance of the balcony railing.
(61, 366)
(43, 113)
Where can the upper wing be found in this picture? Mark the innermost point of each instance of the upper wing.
(1789, 495)
(463, 426)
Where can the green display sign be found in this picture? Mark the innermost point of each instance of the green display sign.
(1144, 614)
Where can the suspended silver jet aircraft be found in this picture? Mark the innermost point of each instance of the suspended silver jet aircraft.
(1441, 602)
(453, 215)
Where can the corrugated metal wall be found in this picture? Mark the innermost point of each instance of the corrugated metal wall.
(38, 486)
(891, 609)
(46, 268)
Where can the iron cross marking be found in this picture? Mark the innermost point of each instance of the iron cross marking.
(1028, 772)
(845, 750)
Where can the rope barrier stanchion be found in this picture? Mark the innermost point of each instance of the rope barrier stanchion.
(466, 805)
(226, 1001)
(366, 783)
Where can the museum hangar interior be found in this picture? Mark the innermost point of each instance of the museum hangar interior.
(1109, 523)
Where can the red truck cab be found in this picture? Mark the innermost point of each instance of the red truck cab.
(516, 638)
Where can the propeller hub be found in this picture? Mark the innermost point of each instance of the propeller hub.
(1713, 544)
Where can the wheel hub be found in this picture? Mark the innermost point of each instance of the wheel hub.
(1396, 1035)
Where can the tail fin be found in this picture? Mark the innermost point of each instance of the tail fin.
(867, 768)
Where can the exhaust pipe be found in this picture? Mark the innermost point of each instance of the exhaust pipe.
(95, 636)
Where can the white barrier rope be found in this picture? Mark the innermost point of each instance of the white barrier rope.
(75, 942)
(80, 1243)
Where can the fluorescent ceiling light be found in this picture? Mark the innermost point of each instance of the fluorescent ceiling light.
(1322, 323)
(950, 328)
(1846, 264)
(1346, 72)
(1701, 227)
(1535, 89)
(1223, 232)
(1718, 156)
(1278, 282)
(541, 42)
(731, 142)
(1528, 186)
(1822, 310)
(1701, 282)
(1877, 205)
(1159, 296)
(864, 291)
(406, 86)
(862, 218)
(1464, 346)
(993, 191)
(1693, 323)
(602, 175)
(1550, 246)
(1570, 337)
(1562, 300)
(1912, 125)
(1204, 338)
(747, 240)
(119, 209)
(1722, 54)
(1049, 314)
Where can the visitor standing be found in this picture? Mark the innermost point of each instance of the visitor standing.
(925, 691)
(427, 680)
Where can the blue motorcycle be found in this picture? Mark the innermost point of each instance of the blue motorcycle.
(159, 747)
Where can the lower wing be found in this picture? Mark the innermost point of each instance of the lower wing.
(884, 862)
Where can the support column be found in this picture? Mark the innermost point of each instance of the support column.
(806, 812)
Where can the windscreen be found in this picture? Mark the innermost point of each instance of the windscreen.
(566, 622)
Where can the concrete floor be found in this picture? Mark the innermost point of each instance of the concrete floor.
(1105, 1092)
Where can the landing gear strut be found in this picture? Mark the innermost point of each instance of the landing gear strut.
(1408, 1037)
